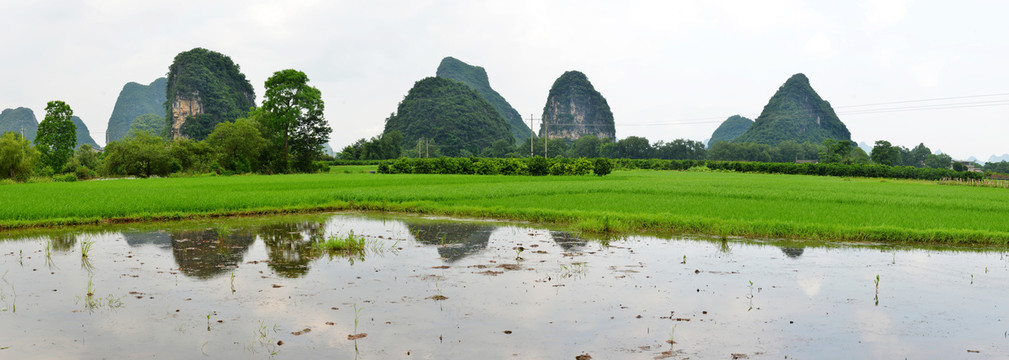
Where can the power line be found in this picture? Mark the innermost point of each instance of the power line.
(929, 107)
(924, 100)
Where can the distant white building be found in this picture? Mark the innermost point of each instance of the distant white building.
(970, 165)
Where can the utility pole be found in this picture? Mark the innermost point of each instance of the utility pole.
(546, 135)
(531, 139)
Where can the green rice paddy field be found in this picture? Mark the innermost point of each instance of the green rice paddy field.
(668, 202)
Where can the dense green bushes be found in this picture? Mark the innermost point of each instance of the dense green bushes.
(536, 166)
(539, 166)
(829, 169)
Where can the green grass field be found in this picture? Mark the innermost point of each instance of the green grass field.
(726, 204)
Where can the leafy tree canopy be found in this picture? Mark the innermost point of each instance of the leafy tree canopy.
(57, 136)
(448, 114)
(17, 156)
(238, 145)
(796, 112)
(292, 119)
(476, 78)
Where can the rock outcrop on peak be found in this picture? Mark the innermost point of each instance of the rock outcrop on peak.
(204, 89)
(796, 112)
(476, 78)
(574, 108)
(135, 100)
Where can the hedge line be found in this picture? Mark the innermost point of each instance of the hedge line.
(826, 169)
(601, 166)
(536, 166)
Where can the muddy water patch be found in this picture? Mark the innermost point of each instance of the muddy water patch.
(259, 288)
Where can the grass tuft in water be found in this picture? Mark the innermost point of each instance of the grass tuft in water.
(352, 244)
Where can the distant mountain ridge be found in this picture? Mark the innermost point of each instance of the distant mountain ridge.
(449, 116)
(135, 100)
(83, 134)
(1000, 158)
(730, 129)
(22, 120)
(796, 112)
(476, 78)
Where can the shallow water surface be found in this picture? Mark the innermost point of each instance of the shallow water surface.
(446, 289)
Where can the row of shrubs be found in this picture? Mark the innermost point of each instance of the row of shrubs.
(536, 166)
(825, 169)
(601, 166)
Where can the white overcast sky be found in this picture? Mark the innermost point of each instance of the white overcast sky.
(669, 69)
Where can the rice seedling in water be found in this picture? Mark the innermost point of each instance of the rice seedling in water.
(876, 297)
(750, 296)
(263, 339)
(356, 335)
(93, 302)
(672, 332)
(86, 245)
(47, 247)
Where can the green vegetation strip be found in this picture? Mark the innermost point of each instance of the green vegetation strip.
(714, 203)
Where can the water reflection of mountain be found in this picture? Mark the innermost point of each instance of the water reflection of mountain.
(454, 240)
(793, 252)
(290, 246)
(566, 240)
(160, 239)
(206, 253)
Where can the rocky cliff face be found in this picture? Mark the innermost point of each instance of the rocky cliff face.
(135, 100)
(20, 120)
(183, 107)
(796, 112)
(476, 78)
(205, 88)
(574, 109)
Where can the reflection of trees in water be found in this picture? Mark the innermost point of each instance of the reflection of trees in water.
(205, 253)
(793, 252)
(567, 241)
(64, 242)
(290, 246)
(454, 240)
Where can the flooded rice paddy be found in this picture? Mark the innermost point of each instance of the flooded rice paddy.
(440, 289)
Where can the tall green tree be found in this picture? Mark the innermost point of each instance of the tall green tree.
(238, 144)
(17, 157)
(57, 135)
(884, 153)
(292, 115)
